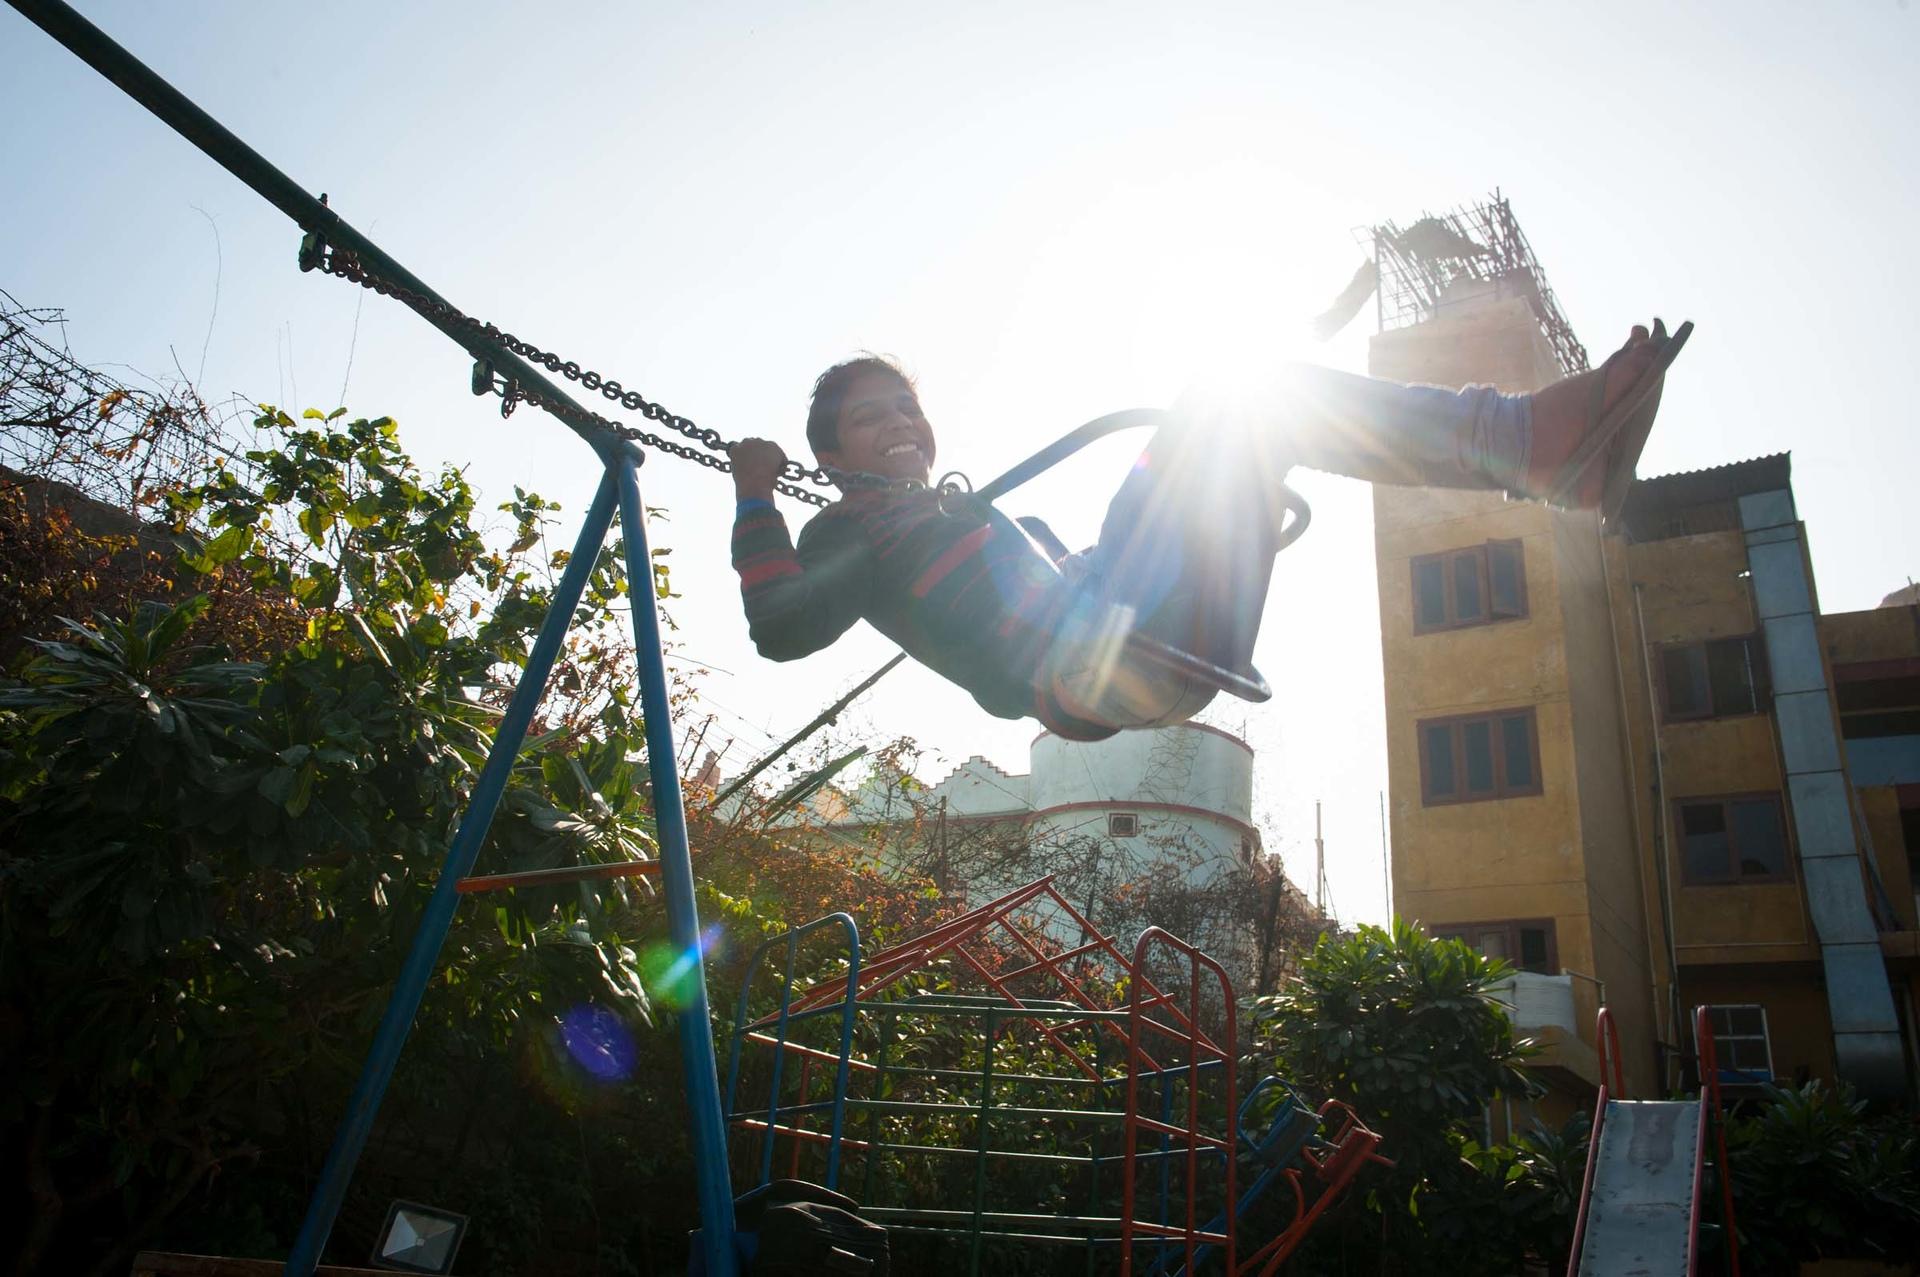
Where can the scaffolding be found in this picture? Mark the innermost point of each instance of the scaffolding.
(1443, 260)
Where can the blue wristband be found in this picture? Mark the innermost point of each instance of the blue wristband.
(749, 504)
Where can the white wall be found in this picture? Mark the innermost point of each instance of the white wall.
(1187, 765)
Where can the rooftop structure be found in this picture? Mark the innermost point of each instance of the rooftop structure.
(1460, 258)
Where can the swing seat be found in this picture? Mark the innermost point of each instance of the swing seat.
(1247, 683)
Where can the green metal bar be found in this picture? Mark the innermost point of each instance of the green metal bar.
(770, 1021)
(1011, 1110)
(1093, 1170)
(1003, 1010)
(876, 1129)
(989, 1234)
(948, 1150)
(758, 1115)
(890, 1213)
(980, 1142)
(1038, 1078)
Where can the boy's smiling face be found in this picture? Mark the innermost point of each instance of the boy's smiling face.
(882, 430)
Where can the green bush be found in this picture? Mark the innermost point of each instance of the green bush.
(1815, 1175)
(1405, 1029)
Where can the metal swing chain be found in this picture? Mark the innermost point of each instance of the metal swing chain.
(344, 264)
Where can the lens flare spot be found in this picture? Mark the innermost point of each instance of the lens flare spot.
(598, 1042)
(670, 975)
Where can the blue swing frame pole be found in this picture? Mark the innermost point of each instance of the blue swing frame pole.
(699, 1069)
(619, 488)
(437, 919)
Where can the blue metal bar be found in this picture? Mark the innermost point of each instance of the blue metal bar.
(779, 1062)
(700, 1073)
(841, 1073)
(437, 918)
(1279, 1147)
(1166, 1165)
(847, 1008)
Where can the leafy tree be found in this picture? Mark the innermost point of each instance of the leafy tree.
(1405, 1029)
(231, 855)
(223, 803)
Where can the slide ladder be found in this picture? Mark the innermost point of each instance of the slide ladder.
(1640, 1204)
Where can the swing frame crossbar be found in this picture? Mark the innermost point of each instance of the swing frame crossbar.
(618, 494)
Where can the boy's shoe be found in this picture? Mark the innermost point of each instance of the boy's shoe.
(1614, 430)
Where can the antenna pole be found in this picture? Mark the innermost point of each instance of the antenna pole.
(1386, 863)
(1319, 864)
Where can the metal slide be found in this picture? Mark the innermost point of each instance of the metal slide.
(1640, 1207)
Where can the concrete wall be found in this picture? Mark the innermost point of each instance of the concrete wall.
(1877, 634)
(1189, 786)
(1189, 765)
(1799, 1030)
(1569, 853)
(1691, 589)
(1609, 836)
(978, 788)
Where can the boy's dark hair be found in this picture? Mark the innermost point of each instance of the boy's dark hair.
(830, 391)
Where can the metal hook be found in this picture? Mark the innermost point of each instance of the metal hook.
(951, 484)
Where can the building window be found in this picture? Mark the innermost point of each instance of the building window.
(1732, 840)
(1478, 757)
(1713, 679)
(1740, 1043)
(1475, 586)
(1122, 824)
(1527, 944)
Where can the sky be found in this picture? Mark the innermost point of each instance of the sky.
(1047, 212)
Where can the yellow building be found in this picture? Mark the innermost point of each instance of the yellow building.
(1639, 765)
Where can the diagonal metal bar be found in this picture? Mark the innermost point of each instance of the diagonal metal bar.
(437, 918)
(694, 1024)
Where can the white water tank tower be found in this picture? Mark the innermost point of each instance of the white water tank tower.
(1190, 783)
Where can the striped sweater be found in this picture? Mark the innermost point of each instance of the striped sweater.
(955, 583)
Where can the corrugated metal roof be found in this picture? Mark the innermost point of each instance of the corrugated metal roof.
(1654, 504)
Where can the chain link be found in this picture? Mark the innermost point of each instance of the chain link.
(344, 264)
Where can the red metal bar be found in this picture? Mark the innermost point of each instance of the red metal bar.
(1185, 1133)
(1353, 1146)
(1066, 982)
(889, 964)
(1607, 1041)
(1135, 1124)
(1710, 1088)
(549, 877)
(1046, 1030)
(806, 1076)
(811, 1052)
(1090, 947)
(1167, 1230)
(1193, 1123)
(1105, 942)
(798, 1133)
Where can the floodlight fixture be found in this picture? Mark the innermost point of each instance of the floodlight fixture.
(419, 1239)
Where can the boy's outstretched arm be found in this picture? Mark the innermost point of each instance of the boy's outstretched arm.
(796, 601)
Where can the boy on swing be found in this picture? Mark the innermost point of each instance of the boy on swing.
(1187, 546)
